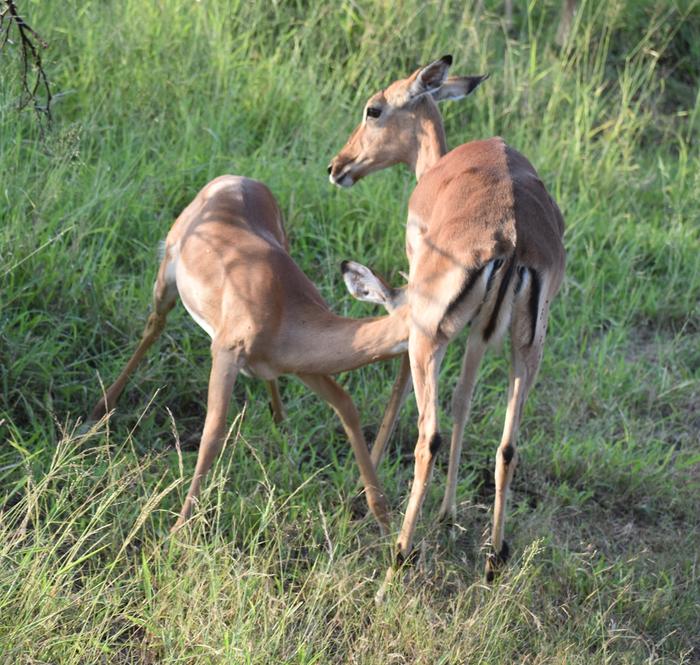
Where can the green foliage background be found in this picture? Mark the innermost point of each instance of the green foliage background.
(153, 99)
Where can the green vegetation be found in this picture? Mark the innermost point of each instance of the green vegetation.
(156, 98)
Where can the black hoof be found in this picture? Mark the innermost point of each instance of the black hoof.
(447, 518)
(408, 560)
(496, 561)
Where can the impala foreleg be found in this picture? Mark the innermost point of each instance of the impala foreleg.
(342, 404)
(461, 406)
(276, 406)
(224, 369)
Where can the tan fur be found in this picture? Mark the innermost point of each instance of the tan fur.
(226, 257)
(484, 243)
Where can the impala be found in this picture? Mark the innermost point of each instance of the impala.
(227, 258)
(484, 245)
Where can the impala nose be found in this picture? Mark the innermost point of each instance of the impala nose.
(339, 172)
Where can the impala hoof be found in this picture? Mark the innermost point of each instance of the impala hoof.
(408, 560)
(85, 428)
(496, 561)
(448, 516)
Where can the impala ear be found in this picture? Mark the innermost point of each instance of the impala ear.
(456, 87)
(364, 284)
(430, 78)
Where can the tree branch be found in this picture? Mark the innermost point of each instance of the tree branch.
(30, 43)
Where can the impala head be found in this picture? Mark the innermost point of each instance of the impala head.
(394, 120)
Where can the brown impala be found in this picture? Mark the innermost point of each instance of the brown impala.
(227, 258)
(484, 245)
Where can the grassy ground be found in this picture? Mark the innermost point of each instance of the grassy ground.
(156, 98)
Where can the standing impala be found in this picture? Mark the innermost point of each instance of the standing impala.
(484, 244)
(227, 258)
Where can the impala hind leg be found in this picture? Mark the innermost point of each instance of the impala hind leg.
(224, 369)
(426, 356)
(461, 406)
(526, 353)
(164, 297)
(342, 404)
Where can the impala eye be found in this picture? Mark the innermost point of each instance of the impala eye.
(373, 112)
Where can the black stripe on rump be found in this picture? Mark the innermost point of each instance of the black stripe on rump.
(503, 287)
(464, 291)
(534, 302)
(496, 265)
(521, 279)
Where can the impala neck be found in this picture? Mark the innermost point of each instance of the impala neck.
(430, 143)
(340, 344)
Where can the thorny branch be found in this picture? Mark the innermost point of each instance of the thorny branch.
(30, 42)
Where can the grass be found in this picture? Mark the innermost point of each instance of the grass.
(154, 100)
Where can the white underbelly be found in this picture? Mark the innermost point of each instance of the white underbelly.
(401, 347)
(198, 319)
(188, 289)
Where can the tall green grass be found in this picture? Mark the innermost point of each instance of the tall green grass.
(153, 100)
